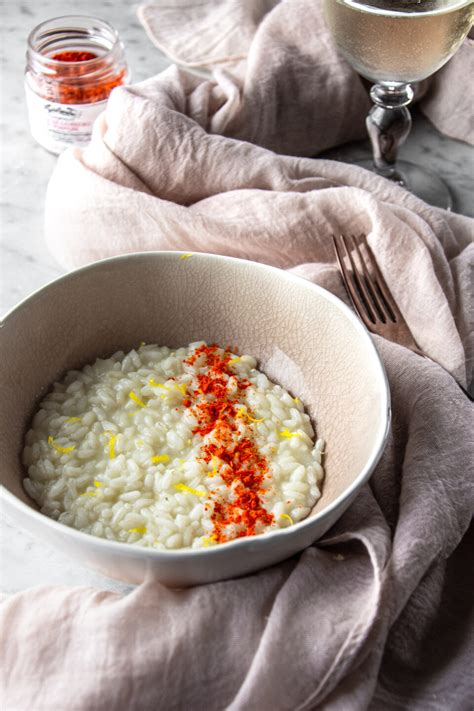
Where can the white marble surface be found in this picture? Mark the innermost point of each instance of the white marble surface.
(25, 264)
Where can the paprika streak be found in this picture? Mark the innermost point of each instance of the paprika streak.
(243, 469)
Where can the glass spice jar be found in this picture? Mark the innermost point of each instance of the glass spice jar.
(73, 63)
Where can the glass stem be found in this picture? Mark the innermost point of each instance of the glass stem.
(388, 125)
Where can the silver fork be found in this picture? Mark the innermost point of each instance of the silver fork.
(370, 295)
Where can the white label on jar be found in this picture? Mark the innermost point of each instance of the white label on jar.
(59, 126)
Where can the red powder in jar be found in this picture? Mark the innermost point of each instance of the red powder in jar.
(74, 56)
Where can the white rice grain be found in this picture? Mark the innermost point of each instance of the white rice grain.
(113, 454)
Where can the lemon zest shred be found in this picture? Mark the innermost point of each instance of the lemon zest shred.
(189, 490)
(141, 529)
(296, 400)
(133, 396)
(286, 433)
(186, 256)
(98, 484)
(288, 517)
(73, 419)
(58, 448)
(234, 360)
(154, 384)
(242, 412)
(88, 493)
(182, 387)
(209, 539)
(112, 440)
(160, 458)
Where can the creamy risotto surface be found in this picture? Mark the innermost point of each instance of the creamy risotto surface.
(172, 448)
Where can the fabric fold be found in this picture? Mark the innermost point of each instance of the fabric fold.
(175, 186)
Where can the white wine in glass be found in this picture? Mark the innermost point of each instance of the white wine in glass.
(395, 43)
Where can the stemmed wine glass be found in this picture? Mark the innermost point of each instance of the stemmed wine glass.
(395, 43)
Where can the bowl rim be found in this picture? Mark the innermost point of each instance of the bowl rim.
(247, 541)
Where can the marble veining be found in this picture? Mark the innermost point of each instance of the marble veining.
(25, 263)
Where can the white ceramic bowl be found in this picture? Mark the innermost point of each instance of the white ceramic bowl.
(303, 336)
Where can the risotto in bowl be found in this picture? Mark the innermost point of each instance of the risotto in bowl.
(185, 417)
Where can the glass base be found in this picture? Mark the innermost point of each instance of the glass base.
(421, 182)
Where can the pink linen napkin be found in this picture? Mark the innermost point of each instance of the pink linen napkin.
(374, 615)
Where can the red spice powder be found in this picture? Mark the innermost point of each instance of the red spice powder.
(244, 468)
(73, 83)
(74, 56)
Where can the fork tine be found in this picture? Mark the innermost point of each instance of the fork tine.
(377, 276)
(370, 285)
(364, 295)
(362, 307)
(396, 328)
